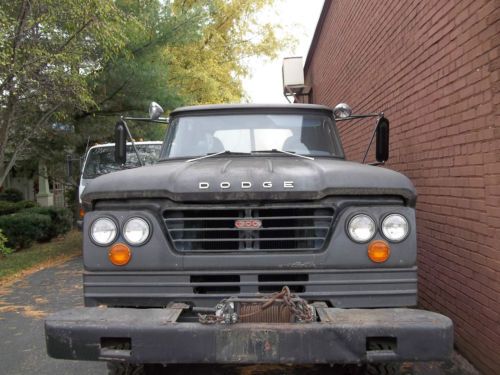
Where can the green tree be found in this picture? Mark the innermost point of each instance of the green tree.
(48, 48)
(86, 61)
(183, 52)
(210, 69)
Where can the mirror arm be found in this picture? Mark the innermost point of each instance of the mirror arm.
(354, 117)
(370, 144)
(132, 141)
(375, 163)
(380, 115)
(161, 120)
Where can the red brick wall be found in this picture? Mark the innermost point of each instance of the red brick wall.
(433, 66)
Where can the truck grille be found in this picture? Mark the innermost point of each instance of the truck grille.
(213, 229)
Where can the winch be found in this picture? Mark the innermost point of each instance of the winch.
(280, 307)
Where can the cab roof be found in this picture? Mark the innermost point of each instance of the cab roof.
(249, 107)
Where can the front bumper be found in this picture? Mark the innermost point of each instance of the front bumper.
(155, 336)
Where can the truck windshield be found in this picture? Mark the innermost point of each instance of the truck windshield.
(192, 136)
(101, 160)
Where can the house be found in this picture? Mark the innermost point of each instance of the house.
(35, 186)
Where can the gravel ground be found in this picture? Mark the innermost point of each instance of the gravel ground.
(25, 303)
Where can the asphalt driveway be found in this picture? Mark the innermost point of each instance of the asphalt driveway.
(24, 305)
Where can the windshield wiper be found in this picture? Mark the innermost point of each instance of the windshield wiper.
(225, 152)
(286, 153)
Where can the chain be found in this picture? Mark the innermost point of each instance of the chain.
(299, 308)
(297, 305)
(209, 319)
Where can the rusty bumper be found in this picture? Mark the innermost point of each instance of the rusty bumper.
(340, 336)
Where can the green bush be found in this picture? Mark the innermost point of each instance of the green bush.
(64, 218)
(4, 250)
(11, 195)
(7, 207)
(23, 228)
(61, 220)
(71, 200)
(25, 204)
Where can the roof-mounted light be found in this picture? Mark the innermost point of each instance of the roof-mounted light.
(155, 111)
(342, 110)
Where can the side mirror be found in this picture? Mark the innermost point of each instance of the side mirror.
(120, 142)
(382, 140)
(155, 111)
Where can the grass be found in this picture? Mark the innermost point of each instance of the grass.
(40, 255)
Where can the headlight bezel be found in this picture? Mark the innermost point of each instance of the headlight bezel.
(354, 216)
(408, 227)
(108, 218)
(146, 239)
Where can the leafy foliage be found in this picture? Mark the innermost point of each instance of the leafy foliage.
(61, 220)
(210, 68)
(183, 52)
(48, 48)
(23, 222)
(71, 199)
(22, 229)
(11, 195)
(4, 250)
(85, 61)
(7, 207)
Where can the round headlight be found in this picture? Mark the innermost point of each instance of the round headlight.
(361, 228)
(103, 231)
(395, 227)
(136, 231)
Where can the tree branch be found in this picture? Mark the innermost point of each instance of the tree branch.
(16, 40)
(75, 34)
(9, 167)
(24, 142)
(114, 93)
(19, 30)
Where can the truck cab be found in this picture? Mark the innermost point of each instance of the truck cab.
(99, 160)
(251, 240)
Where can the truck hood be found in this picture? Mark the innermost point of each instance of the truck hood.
(250, 178)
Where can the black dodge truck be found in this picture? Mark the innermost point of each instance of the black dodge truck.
(252, 240)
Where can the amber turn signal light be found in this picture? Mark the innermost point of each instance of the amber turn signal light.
(81, 213)
(119, 254)
(379, 251)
